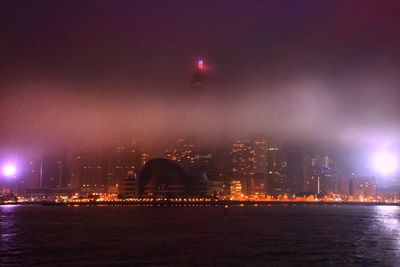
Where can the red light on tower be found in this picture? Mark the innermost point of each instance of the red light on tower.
(200, 64)
(200, 74)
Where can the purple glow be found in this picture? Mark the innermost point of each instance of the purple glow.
(9, 170)
(385, 162)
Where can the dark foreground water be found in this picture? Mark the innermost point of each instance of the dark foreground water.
(282, 235)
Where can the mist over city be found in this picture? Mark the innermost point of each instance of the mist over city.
(257, 132)
(81, 74)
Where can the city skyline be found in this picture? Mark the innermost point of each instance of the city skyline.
(258, 166)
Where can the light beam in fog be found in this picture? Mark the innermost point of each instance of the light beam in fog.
(9, 170)
(385, 162)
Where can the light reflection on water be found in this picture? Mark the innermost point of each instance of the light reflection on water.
(7, 223)
(8, 232)
(389, 218)
(174, 236)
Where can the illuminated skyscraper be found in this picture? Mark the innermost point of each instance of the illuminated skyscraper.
(320, 174)
(243, 162)
(249, 165)
(276, 170)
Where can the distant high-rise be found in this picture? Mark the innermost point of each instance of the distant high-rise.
(359, 187)
(30, 176)
(54, 169)
(258, 184)
(294, 171)
(89, 171)
(249, 165)
(97, 171)
(243, 162)
(276, 170)
(121, 159)
(320, 174)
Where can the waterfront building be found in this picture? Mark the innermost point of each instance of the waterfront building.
(359, 187)
(218, 188)
(236, 189)
(165, 178)
(129, 187)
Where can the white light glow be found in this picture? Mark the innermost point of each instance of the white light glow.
(385, 162)
(9, 170)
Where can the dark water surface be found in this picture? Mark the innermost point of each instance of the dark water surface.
(278, 235)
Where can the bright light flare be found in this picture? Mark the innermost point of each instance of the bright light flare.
(385, 162)
(9, 170)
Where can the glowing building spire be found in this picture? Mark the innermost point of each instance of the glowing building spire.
(200, 64)
(199, 76)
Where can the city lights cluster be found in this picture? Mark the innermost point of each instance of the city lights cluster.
(113, 198)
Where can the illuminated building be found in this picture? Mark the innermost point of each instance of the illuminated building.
(202, 159)
(249, 165)
(236, 189)
(276, 170)
(145, 159)
(182, 153)
(329, 179)
(359, 187)
(218, 188)
(129, 187)
(320, 175)
(258, 184)
(187, 155)
(243, 162)
(311, 179)
(260, 158)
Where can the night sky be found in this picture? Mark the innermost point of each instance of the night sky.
(87, 72)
